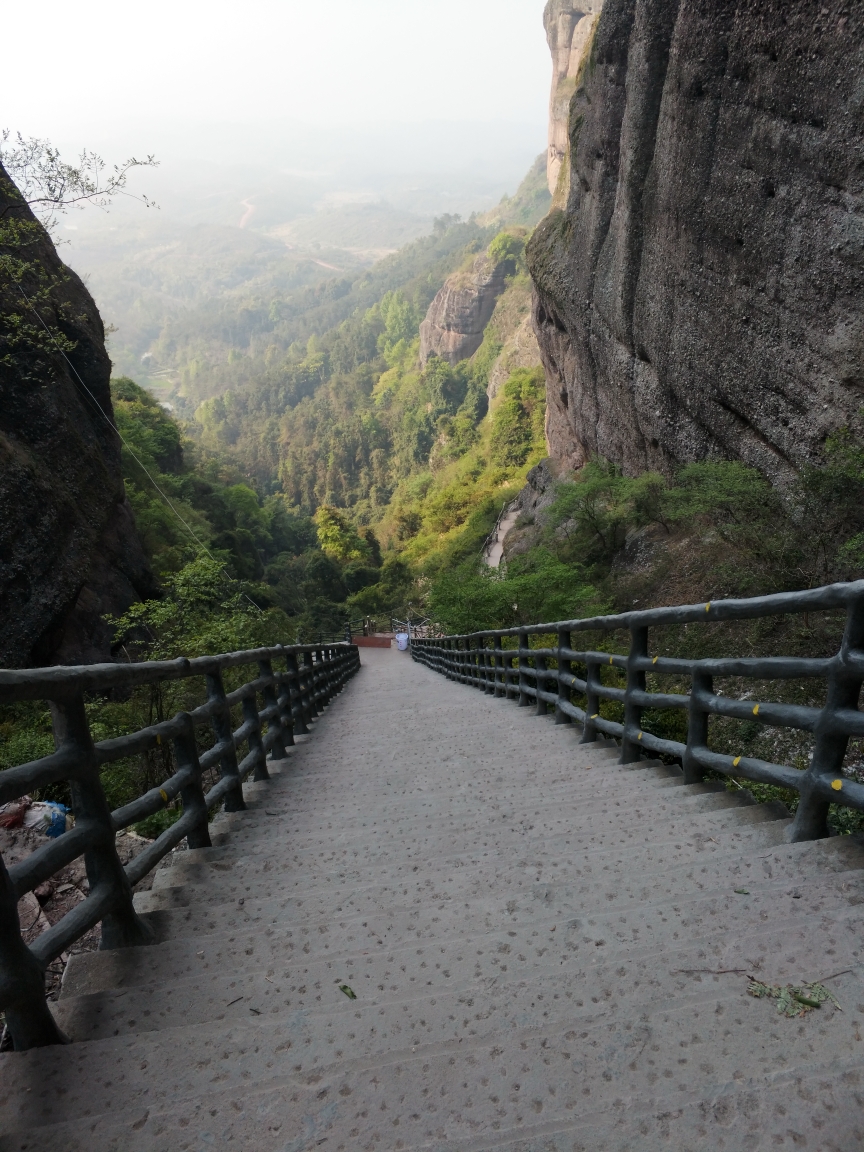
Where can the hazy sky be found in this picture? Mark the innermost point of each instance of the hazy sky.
(97, 62)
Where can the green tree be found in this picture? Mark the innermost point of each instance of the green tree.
(518, 421)
(338, 537)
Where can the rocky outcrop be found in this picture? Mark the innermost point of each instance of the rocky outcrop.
(569, 25)
(700, 292)
(69, 552)
(511, 328)
(520, 351)
(456, 319)
(531, 506)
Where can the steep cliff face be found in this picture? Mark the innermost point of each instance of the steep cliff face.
(454, 324)
(700, 293)
(569, 25)
(69, 551)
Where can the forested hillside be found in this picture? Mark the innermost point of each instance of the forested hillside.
(318, 460)
(337, 475)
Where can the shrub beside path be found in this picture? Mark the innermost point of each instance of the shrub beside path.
(444, 924)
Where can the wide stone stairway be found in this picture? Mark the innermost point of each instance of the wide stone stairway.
(445, 924)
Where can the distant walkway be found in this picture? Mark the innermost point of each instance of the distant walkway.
(548, 953)
(494, 551)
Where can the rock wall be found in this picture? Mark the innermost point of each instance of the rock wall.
(69, 551)
(700, 291)
(456, 318)
(568, 24)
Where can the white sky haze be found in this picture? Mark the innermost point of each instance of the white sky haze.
(99, 62)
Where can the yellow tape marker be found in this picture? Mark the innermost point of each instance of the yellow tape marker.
(639, 737)
(736, 761)
(756, 710)
(708, 606)
(158, 738)
(836, 785)
(596, 714)
(656, 658)
(611, 658)
(164, 795)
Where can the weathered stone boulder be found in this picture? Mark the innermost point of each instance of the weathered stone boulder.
(454, 324)
(700, 291)
(69, 551)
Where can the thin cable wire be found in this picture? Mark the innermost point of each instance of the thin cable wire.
(125, 442)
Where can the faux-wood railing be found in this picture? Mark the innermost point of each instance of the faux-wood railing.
(312, 675)
(523, 673)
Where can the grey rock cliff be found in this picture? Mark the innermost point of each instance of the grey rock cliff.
(569, 25)
(700, 292)
(69, 551)
(454, 324)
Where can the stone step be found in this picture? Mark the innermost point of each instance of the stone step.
(276, 856)
(462, 874)
(514, 1068)
(393, 957)
(441, 843)
(733, 858)
(277, 823)
(307, 914)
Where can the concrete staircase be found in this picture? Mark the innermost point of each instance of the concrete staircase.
(544, 948)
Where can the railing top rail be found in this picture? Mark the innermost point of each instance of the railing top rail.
(58, 681)
(831, 596)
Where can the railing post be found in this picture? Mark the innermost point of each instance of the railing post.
(121, 927)
(697, 727)
(511, 677)
(500, 687)
(592, 701)
(542, 706)
(631, 750)
(561, 716)
(524, 698)
(286, 711)
(489, 668)
(295, 694)
(330, 685)
(22, 980)
(309, 703)
(186, 759)
(271, 700)
(223, 730)
(829, 748)
(256, 744)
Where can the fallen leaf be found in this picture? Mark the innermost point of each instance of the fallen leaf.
(793, 1000)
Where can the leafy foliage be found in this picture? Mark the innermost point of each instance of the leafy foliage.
(34, 178)
(50, 186)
